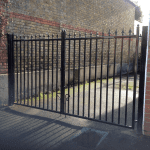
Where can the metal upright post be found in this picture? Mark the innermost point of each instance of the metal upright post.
(63, 35)
(10, 39)
(142, 79)
(135, 77)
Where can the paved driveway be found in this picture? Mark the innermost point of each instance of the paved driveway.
(25, 128)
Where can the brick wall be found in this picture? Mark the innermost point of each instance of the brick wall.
(147, 95)
(50, 17)
(3, 46)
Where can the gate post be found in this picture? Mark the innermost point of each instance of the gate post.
(11, 80)
(142, 79)
(135, 76)
(63, 35)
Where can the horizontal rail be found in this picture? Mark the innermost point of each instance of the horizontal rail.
(38, 40)
(81, 38)
(130, 127)
(104, 37)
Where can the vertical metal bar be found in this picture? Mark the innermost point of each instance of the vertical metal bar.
(120, 78)
(20, 74)
(57, 73)
(39, 71)
(74, 72)
(17, 66)
(89, 77)
(79, 73)
(135, 76)
(11, 80)
(31, 71)
(69, 74)
(142, 79)
(115, 45)
(95, 77)
(12, 76)
(28, 67)
(84, 73)
(24, 71)
(52, 71)
(43, 71)
(101, 78)
(127, 78)
(107, 74)
(35, 72)
(63, 35)
(48, 78)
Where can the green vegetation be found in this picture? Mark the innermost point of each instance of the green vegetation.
(92, 86)
(130, 86)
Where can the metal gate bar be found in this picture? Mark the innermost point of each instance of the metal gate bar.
(69, 75)
(127, 77)
(101, 76)
(89, 77)
(120, 79)
(135, 75)
(115, 43)
(107, 74)
(95, 78)
(79, 73)
(84, 73)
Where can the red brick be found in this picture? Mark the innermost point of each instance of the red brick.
(147, 97)
(148, 66)
(147, 110)
(147, 119)
(148, 61)
(147, 84)
(148, 69)
(147, 92)
(148, 79)
(147, 88)
(147, 101)
(146, 124)
(147, 106)
(147, 128)
(147, 115)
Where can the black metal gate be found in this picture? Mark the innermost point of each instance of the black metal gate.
(79, 76)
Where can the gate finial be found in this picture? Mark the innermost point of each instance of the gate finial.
(109, 32)
(130, 31)
(122, 32)
(116, 32)
(96, 34)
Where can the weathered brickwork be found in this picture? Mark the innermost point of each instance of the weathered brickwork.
(50, 17)
(3, 46)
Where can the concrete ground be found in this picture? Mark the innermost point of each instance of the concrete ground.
(25, 128)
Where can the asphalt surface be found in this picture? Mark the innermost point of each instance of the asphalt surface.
(25, 128)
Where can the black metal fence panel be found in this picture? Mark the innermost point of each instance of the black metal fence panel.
(84, 76)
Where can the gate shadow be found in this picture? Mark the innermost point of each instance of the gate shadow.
(37, 129)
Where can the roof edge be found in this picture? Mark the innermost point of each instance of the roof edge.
(130, 2)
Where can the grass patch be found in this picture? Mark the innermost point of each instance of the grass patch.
(66, 91)
(92, 84)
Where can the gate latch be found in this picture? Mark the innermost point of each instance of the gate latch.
(66, 97)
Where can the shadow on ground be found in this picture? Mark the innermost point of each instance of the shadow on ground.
(28, 128)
